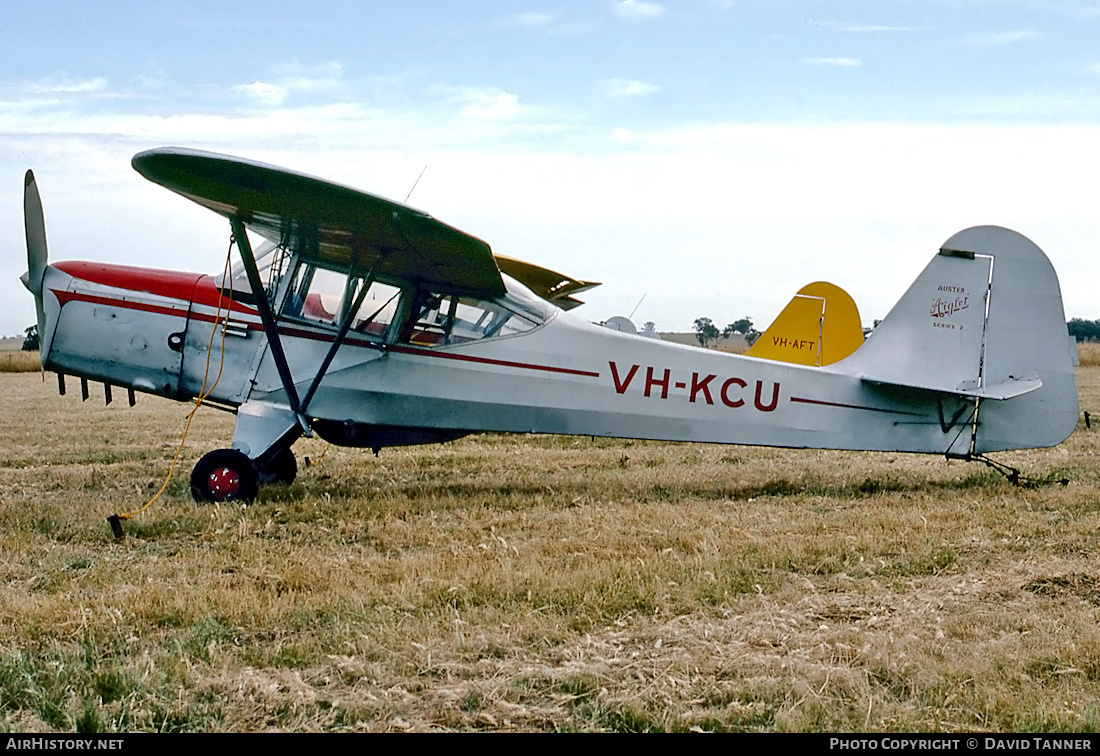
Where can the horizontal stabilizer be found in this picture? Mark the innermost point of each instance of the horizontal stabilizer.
(1009, 388)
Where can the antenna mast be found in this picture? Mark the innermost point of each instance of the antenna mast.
(415, 183)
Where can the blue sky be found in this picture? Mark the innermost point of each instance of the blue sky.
(711, 156)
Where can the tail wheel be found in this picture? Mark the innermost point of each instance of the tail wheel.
(224, 475)
(283, 468)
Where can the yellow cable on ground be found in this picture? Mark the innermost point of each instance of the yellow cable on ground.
(315, 462)
(203, 392)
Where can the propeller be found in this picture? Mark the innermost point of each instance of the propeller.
(34, 221)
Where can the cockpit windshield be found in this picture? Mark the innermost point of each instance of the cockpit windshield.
(519, 296)
(438, 319)
(272, 262)
(323, 297)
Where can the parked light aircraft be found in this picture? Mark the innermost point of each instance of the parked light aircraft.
(373, 324)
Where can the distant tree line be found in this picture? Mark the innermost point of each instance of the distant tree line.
(1084, 330)
(708, 333)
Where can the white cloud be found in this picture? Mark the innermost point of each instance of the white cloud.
(626, 88)
(263, 93)
(837, 62)
(62, 83)
(634, 9)
(325, 77)
(294, 68)
(1000, 39)
(622, 135)
(483, 102)
(293, 78)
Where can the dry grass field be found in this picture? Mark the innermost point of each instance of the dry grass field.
(539, 584)
(13, 361)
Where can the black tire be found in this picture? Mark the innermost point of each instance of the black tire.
(282, 469)
(224, 475)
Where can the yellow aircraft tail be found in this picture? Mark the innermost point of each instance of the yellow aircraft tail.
(819, 326)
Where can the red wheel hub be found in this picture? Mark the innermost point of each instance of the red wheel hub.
(223, 483)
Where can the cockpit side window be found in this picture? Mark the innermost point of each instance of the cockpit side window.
(438, 319)
(310, 294)
(320, 296)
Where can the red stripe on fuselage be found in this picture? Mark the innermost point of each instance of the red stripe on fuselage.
(193, 288)
(823, 403)
(64, 297)
(489, 361)
(163, 283)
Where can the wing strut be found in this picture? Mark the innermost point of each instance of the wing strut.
(345, 326)
(261, 431)
(266, 316)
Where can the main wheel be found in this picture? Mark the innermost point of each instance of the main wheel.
(282, 469)
(222, 475)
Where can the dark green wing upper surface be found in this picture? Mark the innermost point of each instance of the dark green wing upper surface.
(339, 226)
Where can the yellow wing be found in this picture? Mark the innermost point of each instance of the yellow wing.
(550, 285)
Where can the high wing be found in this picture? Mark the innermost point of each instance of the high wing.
(333, 224)
(330, 225)
(552, 286)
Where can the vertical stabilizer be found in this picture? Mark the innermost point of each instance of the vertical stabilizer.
(983, 321)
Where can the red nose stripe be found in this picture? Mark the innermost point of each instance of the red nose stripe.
(186, 287)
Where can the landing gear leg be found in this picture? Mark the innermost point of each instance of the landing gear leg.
(265, 433)
(224, 475)
(282, 468)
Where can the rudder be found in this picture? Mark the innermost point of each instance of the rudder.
(983, 321)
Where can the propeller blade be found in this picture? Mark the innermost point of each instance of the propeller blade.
(35, 222)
